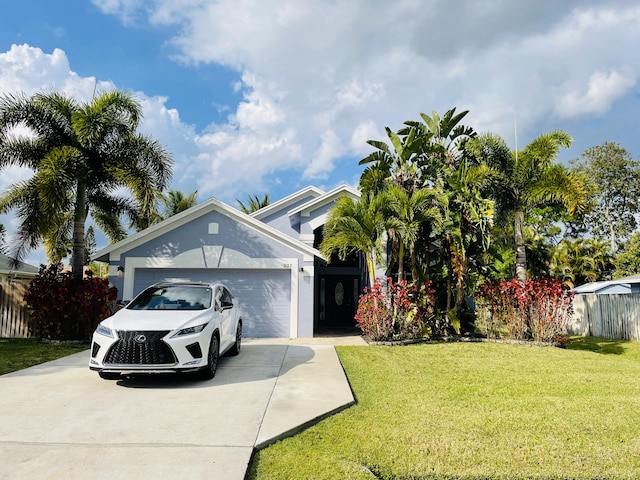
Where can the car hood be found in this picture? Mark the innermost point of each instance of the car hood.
(126, 319)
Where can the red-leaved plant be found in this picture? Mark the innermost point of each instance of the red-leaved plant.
(63, 310)
(395, 311)
(536, 310)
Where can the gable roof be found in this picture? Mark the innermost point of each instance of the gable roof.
(286, 202)
(7, 267)
(329, 197)
(212, 204)
(594, 287)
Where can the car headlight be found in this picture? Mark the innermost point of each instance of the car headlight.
(190, 330)
(102, 330)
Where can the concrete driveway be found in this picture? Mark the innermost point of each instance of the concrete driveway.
(59, 420)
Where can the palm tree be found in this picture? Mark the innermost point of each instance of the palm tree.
(468, 215)
(175, 201)
(255, 203)
(575, 262)
(3, 236)
(354, 226)
(81, 154)
(405, 214)
(529, 178)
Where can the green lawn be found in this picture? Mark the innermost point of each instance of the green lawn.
(475, 411)
(19, 353)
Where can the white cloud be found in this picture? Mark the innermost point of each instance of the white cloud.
(602, 90)
(332, 66)
(319, 78)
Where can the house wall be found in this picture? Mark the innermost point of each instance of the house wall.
(280, 220)
(314, 219)
(213, 229)
(215, 241)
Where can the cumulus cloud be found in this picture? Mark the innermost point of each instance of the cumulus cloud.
(321, 70)
(318, 78)
(602, 90)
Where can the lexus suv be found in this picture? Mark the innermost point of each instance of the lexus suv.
(169, 327)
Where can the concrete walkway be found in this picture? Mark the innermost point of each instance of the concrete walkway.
(59, 420)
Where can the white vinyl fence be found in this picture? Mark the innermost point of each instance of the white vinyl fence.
(615, 316)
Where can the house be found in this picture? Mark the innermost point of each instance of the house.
(10, 270)
(269, 260)
(629, 284)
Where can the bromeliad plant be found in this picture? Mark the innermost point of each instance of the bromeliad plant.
(535, 310)
(396, 311)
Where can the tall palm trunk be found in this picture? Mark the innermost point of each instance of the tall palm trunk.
(612, 230)
(371, 267)
(414, 266)
(79, 218)
(401, 275)
(521, 253)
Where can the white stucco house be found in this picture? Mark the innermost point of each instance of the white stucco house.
(269, 260)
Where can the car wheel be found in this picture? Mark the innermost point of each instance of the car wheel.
(235, 349)
(208, 372)
(109, 375)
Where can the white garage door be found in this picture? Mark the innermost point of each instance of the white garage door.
(264, 295)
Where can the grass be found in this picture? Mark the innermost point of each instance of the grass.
(475, 411)
(19, 353)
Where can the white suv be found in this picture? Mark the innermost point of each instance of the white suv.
(169, 327)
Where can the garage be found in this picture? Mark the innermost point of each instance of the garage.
(264, 295)
(268, 264)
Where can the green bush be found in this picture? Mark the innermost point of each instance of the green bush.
(63, 310)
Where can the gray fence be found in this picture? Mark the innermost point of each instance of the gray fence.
(14, 316)
(615, 316)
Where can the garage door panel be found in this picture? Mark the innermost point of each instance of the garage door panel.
(264, 295)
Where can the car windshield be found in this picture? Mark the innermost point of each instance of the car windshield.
(172, 297)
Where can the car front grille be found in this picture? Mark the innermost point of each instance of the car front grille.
(140, 348)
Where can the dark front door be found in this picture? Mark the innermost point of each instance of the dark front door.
(338, 300)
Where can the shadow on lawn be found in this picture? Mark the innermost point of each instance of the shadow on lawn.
(606, 346)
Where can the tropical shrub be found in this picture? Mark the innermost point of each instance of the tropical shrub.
(536, 310)
(395, 311)
(64, 310)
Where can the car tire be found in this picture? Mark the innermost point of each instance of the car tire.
(109, 375)
(208, 372)
(235, 349)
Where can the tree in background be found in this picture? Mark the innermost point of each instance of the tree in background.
(615, 189)
(80, 153)
(627, 259)
(530, 178)
(175, 201)
(579, 261)
(255, 203)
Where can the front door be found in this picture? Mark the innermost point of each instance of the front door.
(338, 301)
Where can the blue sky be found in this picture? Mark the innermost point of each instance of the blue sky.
(265, 96)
